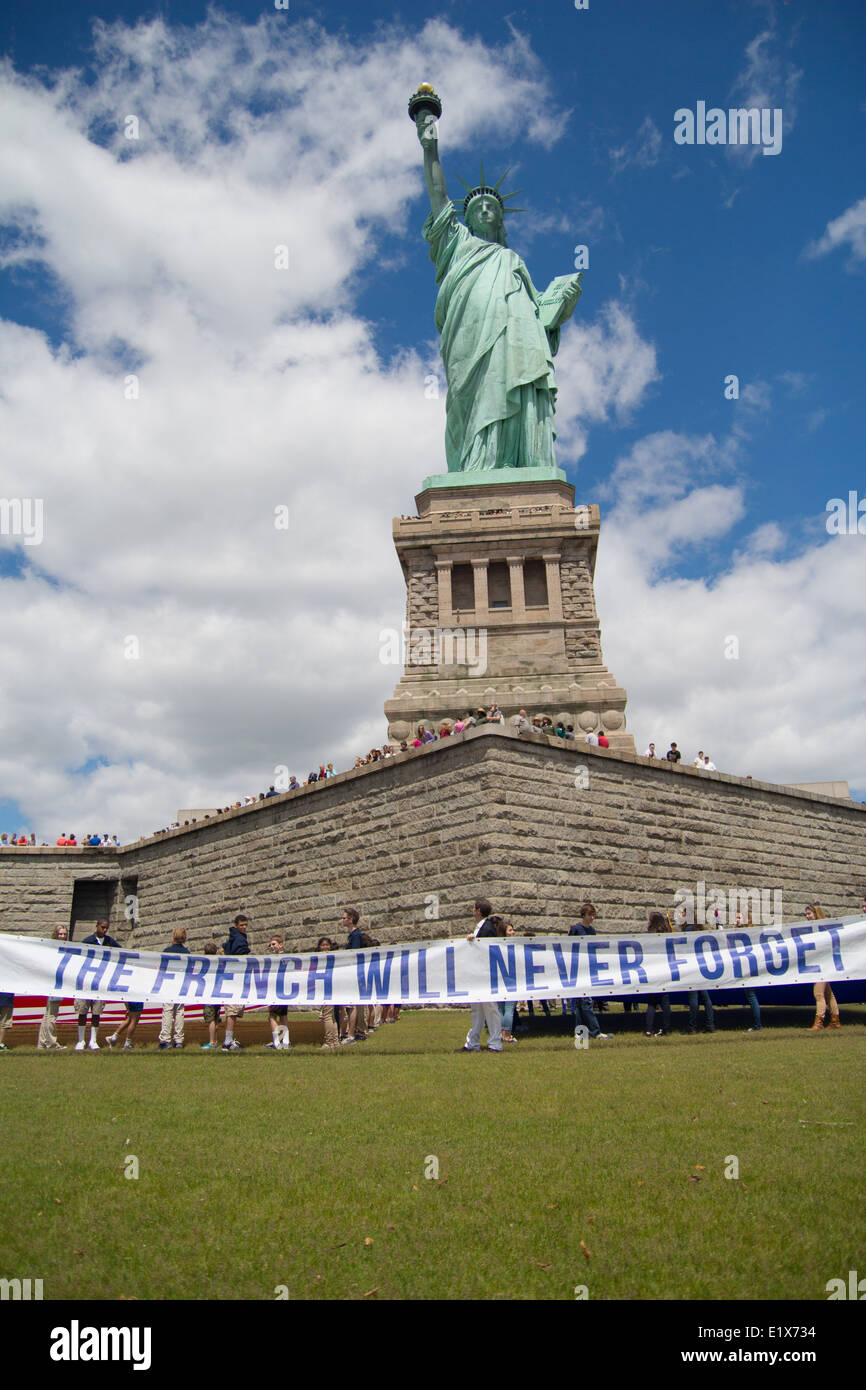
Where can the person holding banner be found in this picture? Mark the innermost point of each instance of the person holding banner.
(506, 1007)
(236, 945)
(584, 1013)
(326, 1013)
(658, 923)
(128, 1026)
(698, 997)
(7, 1005)
(486, 1013)
(172, 1014)
(278, 1014)
(99, 937)
(47, 1041)
(356, 1014)
(824, 995)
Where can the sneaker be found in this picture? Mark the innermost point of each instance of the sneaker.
(58, 1047)
(348, 1039)
(231, 1046)
(494, 1049)
(177, 1044)
(93, 1045)
(602, 1037)
(110, 1041)
(127, 1046)
(164, 1046)
(464, 1048)
(208, 1047)
(3, 1047)
(759, 1029)
(272, 1046)
(79, 1047)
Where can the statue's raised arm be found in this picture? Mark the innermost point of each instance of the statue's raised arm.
(424, 107)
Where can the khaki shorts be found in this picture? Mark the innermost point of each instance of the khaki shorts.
(94, 1006)
(5, 1014)
(233, 1010)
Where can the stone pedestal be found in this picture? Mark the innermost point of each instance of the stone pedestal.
(501, 606)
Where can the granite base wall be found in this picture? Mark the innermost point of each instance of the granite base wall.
(535, 824)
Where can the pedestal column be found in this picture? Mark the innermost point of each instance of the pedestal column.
(518, 595)
(554, 586)
(443, 580)
(482, 601)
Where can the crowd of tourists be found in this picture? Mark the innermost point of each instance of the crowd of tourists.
(673, 755)
(425, 733)
(90, 841)
(430, 731)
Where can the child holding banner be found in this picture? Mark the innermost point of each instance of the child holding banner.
(278, 1014)
(211, 1012)
(47, 1041)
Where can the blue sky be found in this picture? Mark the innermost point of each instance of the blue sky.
(259, 127)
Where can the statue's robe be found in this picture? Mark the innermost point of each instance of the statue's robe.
(497, 353)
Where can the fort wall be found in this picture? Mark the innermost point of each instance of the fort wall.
(536, 824)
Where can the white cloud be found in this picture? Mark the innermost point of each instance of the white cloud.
(767, 80)
(849, 229)
(788, 708)
(604, 368)
(643, 151)
(258, 387)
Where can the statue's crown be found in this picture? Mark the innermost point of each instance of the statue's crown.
(490, 191)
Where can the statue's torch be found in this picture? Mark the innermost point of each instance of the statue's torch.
(425, 100)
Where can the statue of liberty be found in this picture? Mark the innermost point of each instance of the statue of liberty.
(499, 335)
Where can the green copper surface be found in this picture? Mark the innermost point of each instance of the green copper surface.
(499, 335)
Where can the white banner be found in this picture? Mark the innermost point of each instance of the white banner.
(447, 972)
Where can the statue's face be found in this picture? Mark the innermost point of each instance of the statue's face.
(484, 218)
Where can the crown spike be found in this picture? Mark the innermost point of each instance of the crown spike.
(493, 192)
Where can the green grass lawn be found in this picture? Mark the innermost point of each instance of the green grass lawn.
(557, 1167)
